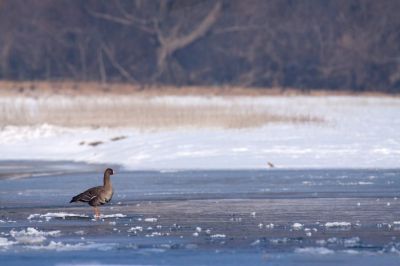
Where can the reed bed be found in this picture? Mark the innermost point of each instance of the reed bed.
(139, 112)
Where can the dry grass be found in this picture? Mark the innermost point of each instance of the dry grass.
(39, 88)
(74, 104)
(138, 112)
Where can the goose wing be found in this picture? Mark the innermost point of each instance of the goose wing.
(88, 195)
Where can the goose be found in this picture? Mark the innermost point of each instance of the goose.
(97, 196)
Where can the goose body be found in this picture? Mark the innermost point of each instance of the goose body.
(97, 196)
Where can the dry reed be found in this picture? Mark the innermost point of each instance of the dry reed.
(138, 112)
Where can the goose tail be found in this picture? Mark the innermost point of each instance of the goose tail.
(74, 199)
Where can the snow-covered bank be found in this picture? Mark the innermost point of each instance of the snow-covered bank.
(359, 132)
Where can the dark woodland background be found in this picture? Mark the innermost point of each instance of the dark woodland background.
(308, 44)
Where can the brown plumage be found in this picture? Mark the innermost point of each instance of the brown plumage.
(97, 196)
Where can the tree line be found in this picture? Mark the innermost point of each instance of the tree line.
(310, 44)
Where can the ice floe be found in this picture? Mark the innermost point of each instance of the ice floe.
(297, 226)
(51, 215)
(116, 215)
(153, 234)
(314, 251)
(337, 224)
(269, 226)
(59, 246)
(135, 229)
(32, 235)
(281, 240)
(4, 242)
(150, 220)
(361, 183)
(218, 236)
(351, 242)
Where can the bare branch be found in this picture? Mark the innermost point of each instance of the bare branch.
(127, 21)
(140, 23)
(240, 28)
(112, 18)
(115, 63)
(173, 43)
(200, 30)
(102, 70)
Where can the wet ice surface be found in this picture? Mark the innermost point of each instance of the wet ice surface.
(278, 217)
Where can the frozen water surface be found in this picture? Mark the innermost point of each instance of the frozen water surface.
(240, 217)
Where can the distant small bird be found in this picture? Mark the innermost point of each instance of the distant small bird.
(271, 165)
(97, 196)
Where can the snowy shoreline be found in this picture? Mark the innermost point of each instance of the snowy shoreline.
(360, 132)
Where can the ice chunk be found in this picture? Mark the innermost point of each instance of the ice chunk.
(314, 251)
(337, 224)
(351, 242)
(218, 236)
(297, 226)
(116, 215)
(32, 235)
(59, 246)
(4, 242)
(135, 229)
(51, 215)
(150, 220)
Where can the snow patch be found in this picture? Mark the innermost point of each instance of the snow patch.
(361, 129)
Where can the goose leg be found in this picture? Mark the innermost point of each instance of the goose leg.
(96, 213)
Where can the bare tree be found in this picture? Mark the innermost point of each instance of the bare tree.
(169, 28)
(340, 44)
